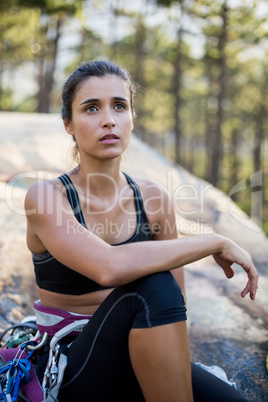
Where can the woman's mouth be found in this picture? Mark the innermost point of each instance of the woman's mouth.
(109, 139)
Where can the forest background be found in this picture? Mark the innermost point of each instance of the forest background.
(201, 69)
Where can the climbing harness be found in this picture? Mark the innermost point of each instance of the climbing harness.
(57, 361)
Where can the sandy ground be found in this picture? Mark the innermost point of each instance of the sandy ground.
(224, 329)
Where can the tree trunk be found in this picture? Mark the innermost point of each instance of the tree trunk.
(41, 96)
(1, 86)
(177, 84)
(47, 63)
(177, 101)
(209, 120)
(259, 137)
(235, 161)
(217, 149)
(139, 73)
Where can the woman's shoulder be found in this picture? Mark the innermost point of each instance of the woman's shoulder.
(42, 192)
(158, 207)
(156, 200)
(150, 188)
(44, 185)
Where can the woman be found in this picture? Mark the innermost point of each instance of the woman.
(91, 260)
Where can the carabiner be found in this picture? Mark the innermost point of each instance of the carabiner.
(29, 345)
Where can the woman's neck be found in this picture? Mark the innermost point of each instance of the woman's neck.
(99, 177)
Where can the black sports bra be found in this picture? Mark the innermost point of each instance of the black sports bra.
(52, 275)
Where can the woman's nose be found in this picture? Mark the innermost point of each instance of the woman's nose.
(108, 119)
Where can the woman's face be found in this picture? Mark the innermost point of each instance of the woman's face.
(102, 119)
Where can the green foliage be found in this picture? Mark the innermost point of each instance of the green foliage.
(165, 3)
(159, 54)
(168, 3)
(50, 6)
(32, 3)
(15, 48)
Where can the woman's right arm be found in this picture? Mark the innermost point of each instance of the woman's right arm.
(51, 220)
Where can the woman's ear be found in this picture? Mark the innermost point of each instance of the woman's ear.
(68, 126)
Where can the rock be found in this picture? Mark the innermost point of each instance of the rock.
(224, 329)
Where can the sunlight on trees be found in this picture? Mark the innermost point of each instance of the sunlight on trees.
(201, 68)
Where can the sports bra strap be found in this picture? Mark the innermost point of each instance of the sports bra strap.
(73, 198)
(137, 196)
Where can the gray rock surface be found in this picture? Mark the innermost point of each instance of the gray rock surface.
(225, 330)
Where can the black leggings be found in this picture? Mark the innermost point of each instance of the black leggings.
(99, 367)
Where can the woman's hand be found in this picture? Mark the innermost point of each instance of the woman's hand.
(232, 253)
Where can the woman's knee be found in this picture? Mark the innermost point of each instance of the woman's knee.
(160, 301)
(162, 286)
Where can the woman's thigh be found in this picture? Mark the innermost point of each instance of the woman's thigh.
(99, 365)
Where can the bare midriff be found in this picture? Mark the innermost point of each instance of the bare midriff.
(79, 304)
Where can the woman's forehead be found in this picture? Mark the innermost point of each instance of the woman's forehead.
(103, 87)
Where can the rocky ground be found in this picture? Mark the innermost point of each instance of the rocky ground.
(224, 329)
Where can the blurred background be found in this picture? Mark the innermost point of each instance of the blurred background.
(202, 77)
(201, 69)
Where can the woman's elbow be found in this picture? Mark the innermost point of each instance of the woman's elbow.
(112, 268)
(108, 275)
(109, 279)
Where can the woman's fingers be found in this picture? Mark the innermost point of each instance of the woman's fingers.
(252, 284)
(225, 265)
(235, 254)
(251, 288)
(229, 272)
(253, 277)
(246, 290)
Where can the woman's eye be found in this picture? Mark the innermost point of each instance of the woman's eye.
(120, 106)
(91, 108)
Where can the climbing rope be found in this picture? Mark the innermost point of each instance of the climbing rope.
(24, 340)
(13, 373)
